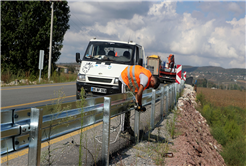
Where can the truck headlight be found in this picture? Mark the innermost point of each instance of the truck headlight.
(81, 77)
(116, 80)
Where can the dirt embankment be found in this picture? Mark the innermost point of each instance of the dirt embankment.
(195, 145)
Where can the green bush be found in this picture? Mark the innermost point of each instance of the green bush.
(207, 113)
(232, 130)
(234, 153)
(216, 117)
(201, 99)
(219, 134)
(6, 76)
(228, 127)
(237, 114)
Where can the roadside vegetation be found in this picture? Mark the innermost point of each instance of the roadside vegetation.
(26, 78)
(222, 98)
(227, 122)
(26, 32)
(229, 85)
(48, 155)
(55, 110)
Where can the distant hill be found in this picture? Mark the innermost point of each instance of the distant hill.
(217, 75)
(214, 69)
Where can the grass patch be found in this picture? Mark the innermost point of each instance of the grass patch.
(228, 127)
(27, 78)
(171, 128)
(55, 110)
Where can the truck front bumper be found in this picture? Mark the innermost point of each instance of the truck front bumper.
(111, 89)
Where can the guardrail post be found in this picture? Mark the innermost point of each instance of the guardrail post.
(176, 91)
(35, 137)
(152, 117)
(136, 125)
(106, 131)
(174, 95)
(162, 102)
(167, 95)
(179, 89)
(171, 97)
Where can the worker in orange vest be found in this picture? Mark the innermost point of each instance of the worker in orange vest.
(136, 79)
(171, 61)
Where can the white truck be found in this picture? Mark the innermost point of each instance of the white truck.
(102, 64)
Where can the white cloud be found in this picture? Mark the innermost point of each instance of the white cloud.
(165, 8)
(194, 41)
(234, 7)
(214, 63)
(237, 64)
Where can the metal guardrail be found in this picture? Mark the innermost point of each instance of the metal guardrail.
(21, 128)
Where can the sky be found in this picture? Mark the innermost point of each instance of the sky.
(198, 33)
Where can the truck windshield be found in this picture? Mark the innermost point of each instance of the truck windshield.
(107, 51)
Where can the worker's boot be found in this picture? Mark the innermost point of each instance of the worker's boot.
(127, 126)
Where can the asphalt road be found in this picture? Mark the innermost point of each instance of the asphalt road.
(15, 97)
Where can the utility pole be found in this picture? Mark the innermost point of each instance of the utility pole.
(51, 30)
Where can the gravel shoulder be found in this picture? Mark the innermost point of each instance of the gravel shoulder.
(191, 143)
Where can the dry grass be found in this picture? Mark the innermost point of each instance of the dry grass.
(243, 81)
(223, 98)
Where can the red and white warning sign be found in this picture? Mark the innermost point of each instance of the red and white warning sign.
(184, 76)
(178, 74)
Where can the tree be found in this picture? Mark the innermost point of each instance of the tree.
(204, 83)
(25, 29)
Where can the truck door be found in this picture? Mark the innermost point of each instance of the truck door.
(136, 57)
(139, 55)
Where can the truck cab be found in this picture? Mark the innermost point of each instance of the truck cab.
(102, 64)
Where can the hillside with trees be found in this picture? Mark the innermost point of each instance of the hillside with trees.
(217, 77)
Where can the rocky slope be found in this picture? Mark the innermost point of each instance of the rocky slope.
(196, 145)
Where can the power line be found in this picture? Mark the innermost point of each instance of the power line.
(79, 28)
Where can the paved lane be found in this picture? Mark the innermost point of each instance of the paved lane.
(35, 95)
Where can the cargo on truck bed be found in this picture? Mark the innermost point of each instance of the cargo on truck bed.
(165, 71)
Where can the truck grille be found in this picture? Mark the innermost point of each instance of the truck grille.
(99, 79)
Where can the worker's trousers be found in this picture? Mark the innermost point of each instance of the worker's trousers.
(125, 118)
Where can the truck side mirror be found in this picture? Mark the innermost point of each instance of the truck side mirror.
(140, 62)
(78, 57)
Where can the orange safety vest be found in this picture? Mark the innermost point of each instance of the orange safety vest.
(130, 75)
(170, 58)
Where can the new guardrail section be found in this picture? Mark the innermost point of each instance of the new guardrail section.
(22, 128)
